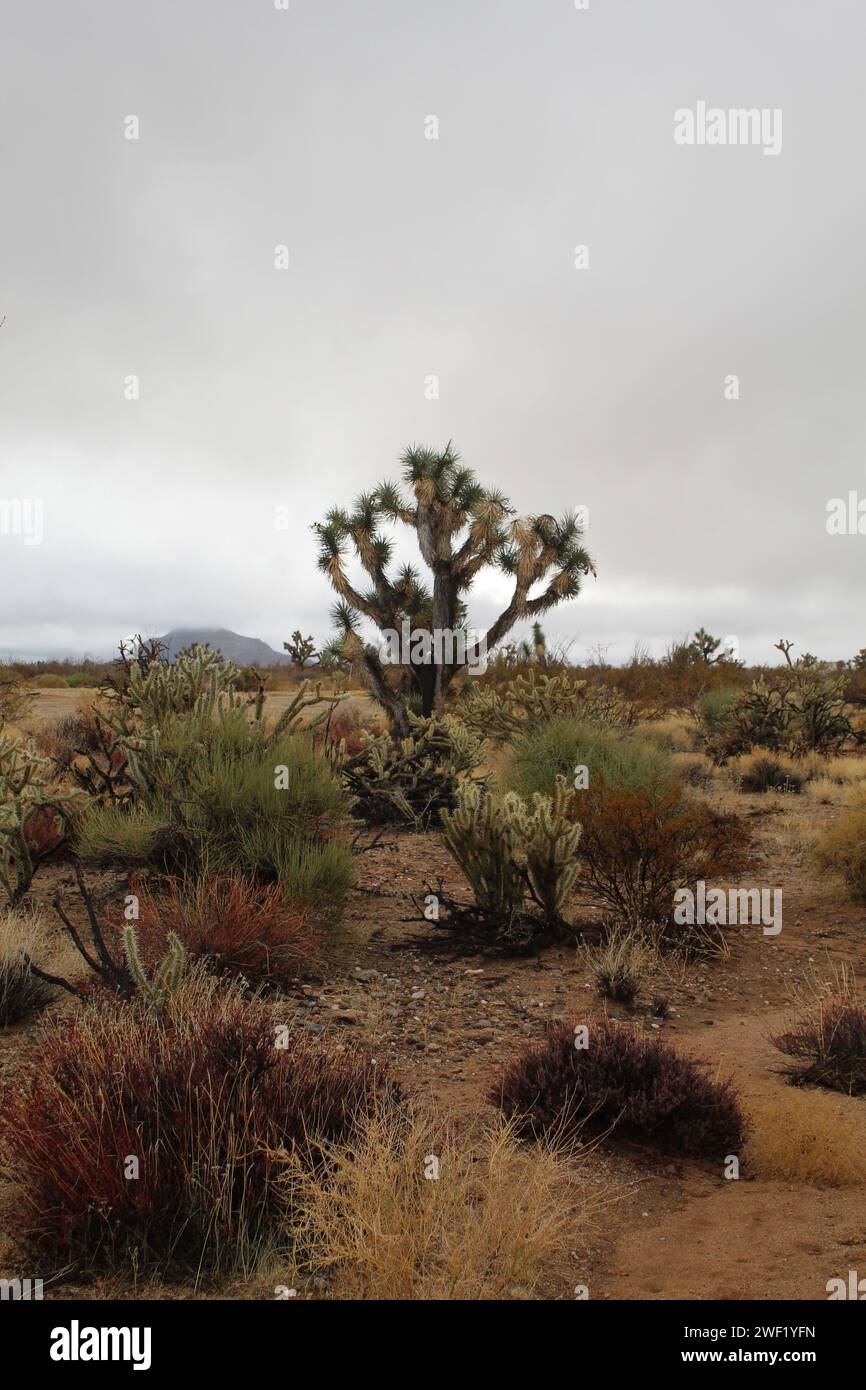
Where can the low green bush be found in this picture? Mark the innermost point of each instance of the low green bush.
(559, 746)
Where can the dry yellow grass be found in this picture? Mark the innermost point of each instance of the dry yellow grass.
(382, 1225)
(807, 1136)
(676, 733)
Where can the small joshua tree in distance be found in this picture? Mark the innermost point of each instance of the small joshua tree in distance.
(461, 528)
(301, 649)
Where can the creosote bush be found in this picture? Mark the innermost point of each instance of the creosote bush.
(137, 1138)
(640, 846)
(639, 1086)
(559, 746)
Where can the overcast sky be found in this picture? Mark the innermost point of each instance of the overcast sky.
(411, 257)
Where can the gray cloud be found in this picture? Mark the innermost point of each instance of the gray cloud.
(410, 257)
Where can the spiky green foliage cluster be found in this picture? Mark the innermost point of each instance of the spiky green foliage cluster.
(512, 851)
(536, 698)
(25, 788)
(410, 780)
(461, 527)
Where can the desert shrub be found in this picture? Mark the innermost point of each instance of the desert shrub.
(111, 835)
(22, 994)
(376, 1227)
(411, 780)
(639, 847)
(638, 1086)
(619, 965)
(225, 793)
(63, 740)
(509, 851)
(807, 1136)
(673, 734)
(202, 1098)
(842, 847)
(828, 1042)
(35, 816)
(240, 926)
(556, 748)
(761, 772)
(712, 710)
(694, 769)
(14, 699)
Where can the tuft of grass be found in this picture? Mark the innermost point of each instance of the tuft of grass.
(809, 1137)
(620, 965)
(411, 1210)
(842, 847)
(22, 994)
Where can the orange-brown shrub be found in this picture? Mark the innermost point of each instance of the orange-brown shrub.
(639, 846)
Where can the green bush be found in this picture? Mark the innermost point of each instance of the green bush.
(712, 709)
(224, 795)
(556, 748)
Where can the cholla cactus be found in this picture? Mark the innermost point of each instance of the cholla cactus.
(804, 712)
(486, 836)
(551, 850)
(507, 850)
(410, 779)
(537, 697)
(24, 788)
(154, 991)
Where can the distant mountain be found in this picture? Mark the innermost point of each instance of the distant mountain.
(245, 651)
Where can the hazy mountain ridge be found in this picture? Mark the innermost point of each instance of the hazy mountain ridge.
(245, 651)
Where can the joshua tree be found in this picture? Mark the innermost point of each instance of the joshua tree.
(705, 647)
(301, 649)
(461, 528)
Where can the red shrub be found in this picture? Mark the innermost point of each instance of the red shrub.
(201, 1099)
(244, 927)
(639, 1085)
